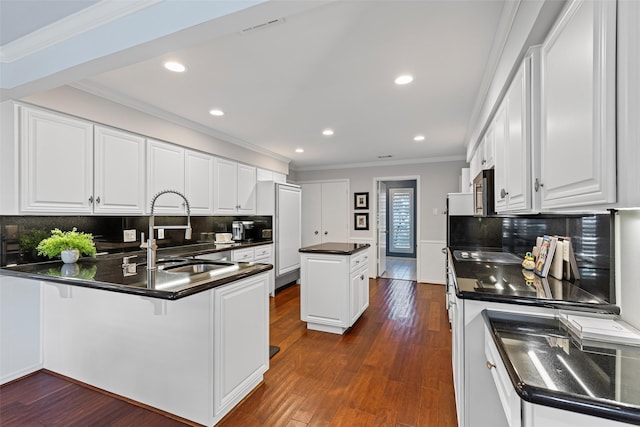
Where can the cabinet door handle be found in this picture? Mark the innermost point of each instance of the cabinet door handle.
(362, 277)
(98, 200)
(537, 185)
(91, 199)
(503, 193)
(490, 365)
(315, 232)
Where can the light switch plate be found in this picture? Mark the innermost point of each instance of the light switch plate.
(160, 233)
(129, 235)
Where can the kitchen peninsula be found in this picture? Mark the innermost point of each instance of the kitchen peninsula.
(334, 285)
(193, 344)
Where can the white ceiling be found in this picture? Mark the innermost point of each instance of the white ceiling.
(330, 66)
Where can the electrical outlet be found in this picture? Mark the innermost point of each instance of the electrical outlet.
(160, 233)
(129, 235)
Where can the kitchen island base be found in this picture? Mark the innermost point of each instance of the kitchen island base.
(196, 357)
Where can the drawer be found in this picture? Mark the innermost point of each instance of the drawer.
(242, 255)
(359, 260)
(511, 403)
(262, 252)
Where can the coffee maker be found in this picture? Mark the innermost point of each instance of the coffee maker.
(237, 229)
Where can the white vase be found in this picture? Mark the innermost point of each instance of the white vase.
(70, 256)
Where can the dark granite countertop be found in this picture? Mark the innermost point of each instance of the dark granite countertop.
(335, 248)
(506, 282)
(598, 379)
(105, 272)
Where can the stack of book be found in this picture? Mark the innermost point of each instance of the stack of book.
(555, 256)
(602, 329)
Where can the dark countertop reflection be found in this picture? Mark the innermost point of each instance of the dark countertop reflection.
(548, 366)
(510, 283)
(105, 272)
(335, 248)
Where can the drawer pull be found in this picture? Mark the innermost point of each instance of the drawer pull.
(490, 365)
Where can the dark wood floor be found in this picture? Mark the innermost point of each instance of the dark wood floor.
(393, 368)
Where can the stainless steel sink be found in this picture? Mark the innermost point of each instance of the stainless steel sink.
(199, 266)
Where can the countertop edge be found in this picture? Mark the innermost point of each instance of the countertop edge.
(616, 411)
(153, 293)
(311, 250)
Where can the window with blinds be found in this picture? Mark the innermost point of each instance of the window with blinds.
(401, 238)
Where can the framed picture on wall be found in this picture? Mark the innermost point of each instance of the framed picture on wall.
(361, 221)
(361, 200)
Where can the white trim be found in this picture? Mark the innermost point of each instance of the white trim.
(102, 92)
(379, 163)
(374, 206)
(71, 26)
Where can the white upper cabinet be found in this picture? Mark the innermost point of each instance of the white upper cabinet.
(119, 176)
(56, 170)
(513, 147)
(235, 188)
(628, 135)
(165, 164)
(199, 181)
(325, 205)
(488, 149)
(578, 146)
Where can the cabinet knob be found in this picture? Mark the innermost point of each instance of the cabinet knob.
(503, 193)
(490, 365)
(315, 232)
(91, 199)
(362, 277)
(326, 232)
(537, 185)
(98, 200)
(484, 162)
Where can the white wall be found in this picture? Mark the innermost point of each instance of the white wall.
(436, 180)
(627, 265)
(82, 104)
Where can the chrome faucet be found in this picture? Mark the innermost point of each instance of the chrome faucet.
(151, 242)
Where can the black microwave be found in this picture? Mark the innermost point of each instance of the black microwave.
(483, 197)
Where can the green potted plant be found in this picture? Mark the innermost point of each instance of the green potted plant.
(67, 244)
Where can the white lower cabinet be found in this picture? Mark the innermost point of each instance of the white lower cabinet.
(334, 290)
(519, 413)
(195, 357)
(20, 327)
(241, 341)
(262, 254)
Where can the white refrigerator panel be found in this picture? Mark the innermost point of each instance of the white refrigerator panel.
(288, 228)
(460, 203)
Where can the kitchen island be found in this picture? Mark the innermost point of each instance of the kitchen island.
(190, 344)
(334, 285)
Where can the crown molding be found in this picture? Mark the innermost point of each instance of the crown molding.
(102, 92)
(71, 26)
(378, 164)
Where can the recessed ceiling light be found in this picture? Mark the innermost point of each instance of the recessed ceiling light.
(327, 132)
(418, 138)
(404, 79)
(216, 112)
(299, 150)
(175, 66)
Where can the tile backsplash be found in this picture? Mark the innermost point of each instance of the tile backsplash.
(20, 234)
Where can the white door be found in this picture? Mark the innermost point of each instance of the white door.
(246, 189)
(199, 182)
(401, 237)
(166, 172)
(119, 178)
(335, 208)
(288, 226)
(382, 228)
(225, 187)
(57, 163)
(311, 214)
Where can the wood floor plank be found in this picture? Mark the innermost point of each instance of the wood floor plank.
(393, 368)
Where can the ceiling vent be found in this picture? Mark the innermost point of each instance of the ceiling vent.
(262, 26)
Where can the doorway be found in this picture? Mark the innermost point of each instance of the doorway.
(396, 227)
